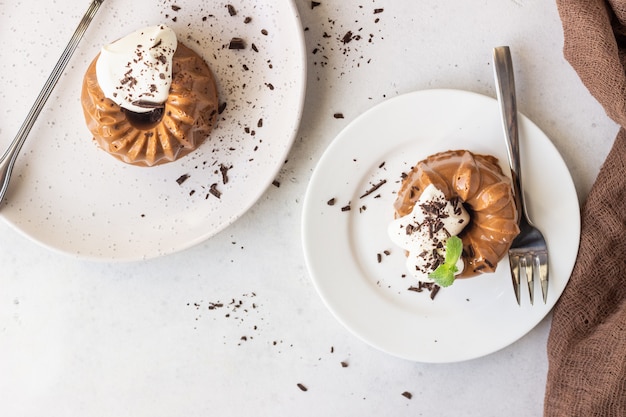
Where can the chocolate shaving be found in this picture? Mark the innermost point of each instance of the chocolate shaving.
(331, 202)
(407, 395)
(434, 291)
(302, 387)
(374, 188)
(147, 104)
(213, 190)
(182, 179)
(224, 171)
(338, 115)
(314, 4)
(237, 43)
(231, 10)
(221, 108)
(428, 286)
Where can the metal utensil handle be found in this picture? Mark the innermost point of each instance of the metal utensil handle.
(505, 86)
(8, 159)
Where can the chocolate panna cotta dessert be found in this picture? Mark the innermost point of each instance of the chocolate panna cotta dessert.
(148, 99)
(454, 194)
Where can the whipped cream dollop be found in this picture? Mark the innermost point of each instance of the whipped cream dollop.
(136, 70)
(424, 231)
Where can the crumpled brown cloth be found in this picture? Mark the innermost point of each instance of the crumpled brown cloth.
(587, 341)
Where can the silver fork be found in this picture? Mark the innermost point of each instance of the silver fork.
(8, 159)
(528, 254)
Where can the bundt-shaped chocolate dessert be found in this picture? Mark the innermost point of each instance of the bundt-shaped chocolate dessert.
(168, 131)
(486, 194)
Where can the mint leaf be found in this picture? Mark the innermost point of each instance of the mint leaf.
(454, 247)
(444, 274)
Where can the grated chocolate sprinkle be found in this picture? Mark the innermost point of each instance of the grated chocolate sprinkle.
(237, 44)
(182, 179)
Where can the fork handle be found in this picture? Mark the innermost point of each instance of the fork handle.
(8, 159)
(505, 87)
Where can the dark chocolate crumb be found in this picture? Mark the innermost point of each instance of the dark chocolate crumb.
(221, 108)
(331, 202)
(247, 20)
(213, 190)
(338, 115)
(259, 123)
(231, 10)
(344, 364)
(270, 86)
(374, 188)
(182, 179)
(434, 291)
(379, 257)
(376, 11)
(407, 395)
(264, 32)
(254, 48)
(224, 171)
(237, 43)
(302, 387)
(276, 183)
(314, 4)
(175, 7)
(346, 208)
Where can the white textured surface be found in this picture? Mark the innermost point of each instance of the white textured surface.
(138, 339)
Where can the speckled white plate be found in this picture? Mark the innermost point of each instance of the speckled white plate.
(71, 196)
(359, 273)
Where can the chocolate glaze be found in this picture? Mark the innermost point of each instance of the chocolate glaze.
(184, 122)
(486, 194)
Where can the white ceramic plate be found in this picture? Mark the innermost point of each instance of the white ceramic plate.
(70, 196)
(346, 250)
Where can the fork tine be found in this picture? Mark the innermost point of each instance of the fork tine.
(541, 264)
(514, 261)
(530, 277)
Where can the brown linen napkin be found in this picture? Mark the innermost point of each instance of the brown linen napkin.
(587, 341)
